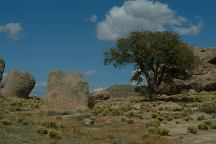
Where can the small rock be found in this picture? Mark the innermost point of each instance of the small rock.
(204, 92)
(88, 122)
(195, 109)
(192, 92)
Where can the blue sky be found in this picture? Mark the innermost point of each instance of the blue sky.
(40, 36)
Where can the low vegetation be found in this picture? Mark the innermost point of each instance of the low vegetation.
(123, 120)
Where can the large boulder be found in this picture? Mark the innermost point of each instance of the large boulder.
(19, 84)
(66, 92)
(2, 67)
(203, 78)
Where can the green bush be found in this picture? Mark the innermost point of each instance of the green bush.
(208, 122)
(42, 131)
(163, 132)
(154, 115)
(116, 113)
(213, 126)
(130, 121)
(6, 122)
(50, 124)
(192, 130)
(209, 108)
(53, 134)
(202, 126)
(200, 118)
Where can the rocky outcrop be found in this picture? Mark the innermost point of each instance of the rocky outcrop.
(2, 67)
(19, 84)
(203, 78)
(66, 91)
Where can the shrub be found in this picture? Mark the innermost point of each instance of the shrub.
(200, 118)
(159, 131)
(50, 124)
(42, 131)
(53, 134)
(154, 115)
(208, 122)
(160, 118)
(209, 108)
(192, 130)
(202, 126)
(130, 121)
(213, 126)
(163, 132)
(116, 113)
(6, 122)
(91, 102)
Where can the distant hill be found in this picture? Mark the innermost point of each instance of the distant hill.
(122, 90)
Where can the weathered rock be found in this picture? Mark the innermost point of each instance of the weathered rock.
(66, 92)
(2, 67)
(100, 95)
(192, 92)
(204, 92)
(202, 78)
(18, 84)
(87, 122)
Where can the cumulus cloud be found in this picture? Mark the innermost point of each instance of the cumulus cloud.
(90, 73)
(12, 30)
(137, 15)
(192, 30)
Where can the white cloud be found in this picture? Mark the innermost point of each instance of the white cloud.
(90, 73)
(93, 18)
(192, 30)
(136, 15)
(99, 89)
(12, 30)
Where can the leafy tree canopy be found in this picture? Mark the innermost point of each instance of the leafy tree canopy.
(157, 56)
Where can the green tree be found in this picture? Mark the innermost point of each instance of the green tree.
(156, 56)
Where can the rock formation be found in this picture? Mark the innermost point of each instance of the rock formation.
(203, 78)
(18, 84)
(66, 92)
(2, 67)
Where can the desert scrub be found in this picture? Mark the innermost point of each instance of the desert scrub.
(6, 122)
(163, 132)
(50, 124)
(154, 123)
(188, 119)
(213, 126)
(53, 134)
(42, 131)
(116, 112)
(192, 130)
(209, 108)
(154, 115)
(201, 117)
(159, 131)
(208, 122)
(130, 121)
(202, 126)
